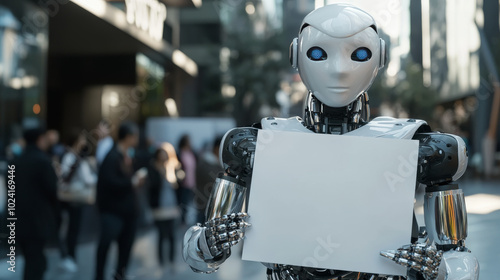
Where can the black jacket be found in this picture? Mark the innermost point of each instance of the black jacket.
(35, 195)
(154, 186)
(115, 193)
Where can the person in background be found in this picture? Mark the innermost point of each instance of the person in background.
(74, 170)
(117, 201)
(56, 150)
(143, 154)
(206, 172)
(36, 202)
(16, 144)
(105, 142)
(163, 202)
(188, 184)
(142, 157)
(16, 148)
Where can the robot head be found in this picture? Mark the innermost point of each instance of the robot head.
(338, 53)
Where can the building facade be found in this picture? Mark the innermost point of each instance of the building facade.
(67, 64)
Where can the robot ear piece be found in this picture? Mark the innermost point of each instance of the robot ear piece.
(382, 54)
(294, 53)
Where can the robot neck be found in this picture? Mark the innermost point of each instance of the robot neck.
(321, 118)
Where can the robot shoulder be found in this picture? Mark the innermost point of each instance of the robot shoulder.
(443, 157)
(238, 145)
(237, 150)
(387, 127)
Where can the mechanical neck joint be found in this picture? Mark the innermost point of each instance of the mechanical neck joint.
(321, 118)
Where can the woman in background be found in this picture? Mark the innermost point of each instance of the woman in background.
(75, 171)
(187, 185)
(163, 202)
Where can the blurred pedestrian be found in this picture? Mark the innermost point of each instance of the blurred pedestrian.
(76, 173)
(188, 183)
(142, 157)
(16, 144)
(105, 142)
(55, 149)
(15, 148)
(144, 152)
(163, 202)
(36, 202)
(117, 201)
(206, 172)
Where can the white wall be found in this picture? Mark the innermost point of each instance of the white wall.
(202, 131)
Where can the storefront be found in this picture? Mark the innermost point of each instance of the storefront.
(23, 52)
(67, 64)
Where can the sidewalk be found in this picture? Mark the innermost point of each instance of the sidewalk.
(144, 265)
(483, 197)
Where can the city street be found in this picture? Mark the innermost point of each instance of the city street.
(483, 201)
(118, 120)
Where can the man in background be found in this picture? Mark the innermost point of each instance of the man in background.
(117, 201)
(36, 202)
(105, 142)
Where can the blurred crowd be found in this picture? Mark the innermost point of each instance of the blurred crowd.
(131, 182)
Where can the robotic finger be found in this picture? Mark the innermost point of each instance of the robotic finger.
(224, 232)
(420, 257)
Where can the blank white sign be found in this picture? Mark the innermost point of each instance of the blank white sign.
(330, 201)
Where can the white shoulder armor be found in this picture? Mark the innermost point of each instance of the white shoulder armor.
(281, 124)
(387, 127)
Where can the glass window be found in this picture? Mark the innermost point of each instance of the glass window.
(150, 81)
(23, 51)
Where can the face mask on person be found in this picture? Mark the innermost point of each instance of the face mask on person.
(16, 149)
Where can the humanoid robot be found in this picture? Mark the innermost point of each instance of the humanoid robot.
(338, 53)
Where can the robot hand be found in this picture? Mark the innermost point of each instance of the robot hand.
(224, 232)
(420, 257)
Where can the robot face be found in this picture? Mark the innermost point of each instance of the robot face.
(337, 70)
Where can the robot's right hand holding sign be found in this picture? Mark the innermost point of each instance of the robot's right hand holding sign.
(224, 232)
(207, 247)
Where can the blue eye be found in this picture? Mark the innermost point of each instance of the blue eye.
(316, 53)
(361, 54)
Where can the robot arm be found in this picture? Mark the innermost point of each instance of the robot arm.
(207, 246)
(442, 160)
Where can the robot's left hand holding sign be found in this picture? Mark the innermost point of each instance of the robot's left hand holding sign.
(442, 255)
(420, 257)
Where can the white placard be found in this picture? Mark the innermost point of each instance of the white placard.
(331, 201)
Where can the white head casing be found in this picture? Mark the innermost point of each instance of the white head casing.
(338, 53)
